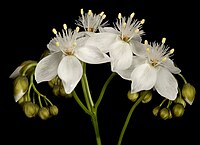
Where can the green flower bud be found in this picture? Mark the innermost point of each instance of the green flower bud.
(53, 110)
(147, 97)
(62, 91)
(188, 92)
(56, 90)
(156, 110)
(44, 113)
(30, 109)
(28, 66)
(180, 100)
(178, 110)
(21, 85)
(132, 96)
(165, 113)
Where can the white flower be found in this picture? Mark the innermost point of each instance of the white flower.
(153, 69)
(67, 50)
(91, 22)
(121, 41)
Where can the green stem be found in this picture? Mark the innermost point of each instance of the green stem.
(183, 78)
(128, 118)
(104, 89)
(96, 128)
(80, 103)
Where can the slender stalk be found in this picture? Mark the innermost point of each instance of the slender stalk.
(104, 89)
(183, 78)
(96, 128)
(128, 118)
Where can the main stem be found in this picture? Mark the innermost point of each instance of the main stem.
(128, 118)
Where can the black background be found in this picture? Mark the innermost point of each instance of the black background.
(26, 31)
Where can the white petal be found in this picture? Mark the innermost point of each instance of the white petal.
(91, 54)
(143, 78)
(70, 72)
(169, 64)
(166, 84)
(121, 54)
(102, 41)
(16, 72)
(52, 46)
(126, 74)
(109, 29)
(138, 48)
(19, 95)
(47, 67)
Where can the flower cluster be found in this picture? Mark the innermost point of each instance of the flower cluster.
(147, 65)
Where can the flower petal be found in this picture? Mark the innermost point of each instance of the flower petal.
(70, 72)
(121, 54)
(126, 74)
(143, 78)
(169, 64)
(52, 46)
(138, 48)
(16, 72)
(101, 40)
(91, 54)
(47, 67)
(109, 29)
(166, 84)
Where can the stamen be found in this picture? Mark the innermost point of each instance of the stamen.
(142, 21)
(124, 24)
(148, 49)
(82, 12)
(137, 30)
(163, 40)
(171, 51)
(74, 44)
(145, 42)
(57, 44)
(77, 29)
(104, 16)
(119, 16)
(54, 31)
(164, 59)
(101, 14)
(65, 26)
(132, 15)
(89, 12)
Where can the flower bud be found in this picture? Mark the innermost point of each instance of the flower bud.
(178, 110)
(21, 85)
(156, 110)
(147, 97)
(132, 96)
(180, 100)
(56, 90)
(44, 113)
(164, 113)
(28, 67)
(188, 92)
(62, 91)
(53, 110)
(30, 109)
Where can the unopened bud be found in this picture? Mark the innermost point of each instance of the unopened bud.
(180, 100)
(53, 110)
(56, 90)
(21, 85)
(44, 113)
(164, 113)
(132, 96)
(178, 110)
(156, 110)
(188, 92)
(28, 66)
(62, 91)
(147, 96)
(30, 109)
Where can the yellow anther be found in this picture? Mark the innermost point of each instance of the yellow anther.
(65, 26)
(164, 59)
(142, 21)
(54, 31)
(77, 29)
(163, 40)
(119, 16)
(104, 16)
(82, 12)
(171, 51)
(74, 44)
(57, 44)
(148, 49)
(124, 24)
(89, 12)
(145, 42)
(137, 30)
(101, 14)
(132, 15)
